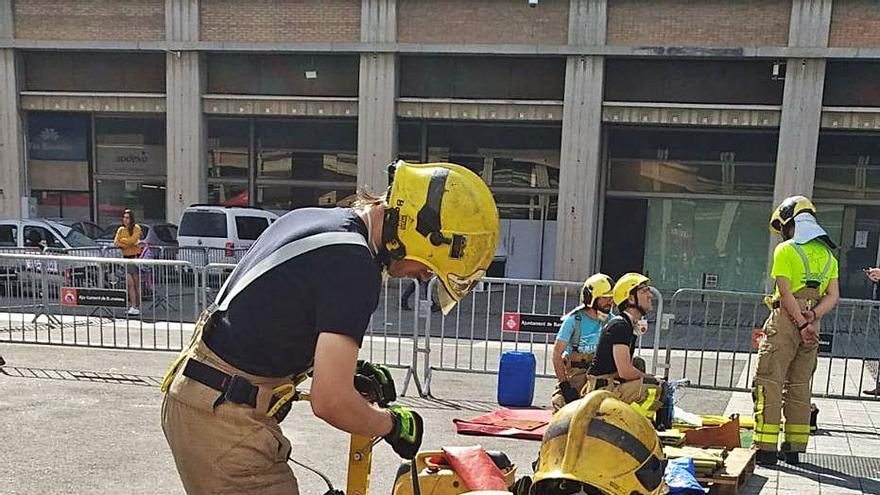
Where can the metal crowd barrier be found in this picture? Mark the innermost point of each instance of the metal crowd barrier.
(83, 301)
(712, 341)
(505, 315)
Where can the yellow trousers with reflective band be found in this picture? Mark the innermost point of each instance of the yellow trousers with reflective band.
(230, 448)
(782, 381)
(643, 395)
(576, 376)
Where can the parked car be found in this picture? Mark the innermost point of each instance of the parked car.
(162, 238)
(43, 236)
(38, 233)
(90, 229)
(228, 231)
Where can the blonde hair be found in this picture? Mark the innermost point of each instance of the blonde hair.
(365, 198)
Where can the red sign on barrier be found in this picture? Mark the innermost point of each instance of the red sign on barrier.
(510, 322)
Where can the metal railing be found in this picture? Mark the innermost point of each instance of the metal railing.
(702, 335)
(84, 301)
(712, 341)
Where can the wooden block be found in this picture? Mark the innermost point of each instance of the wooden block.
(727, 480)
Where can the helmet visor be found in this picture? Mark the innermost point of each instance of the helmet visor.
(455, 287)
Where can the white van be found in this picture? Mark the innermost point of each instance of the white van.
(227, 231)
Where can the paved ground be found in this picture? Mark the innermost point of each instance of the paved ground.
(86, 421)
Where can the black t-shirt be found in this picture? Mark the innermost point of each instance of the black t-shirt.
(617, 330)
(271, 327)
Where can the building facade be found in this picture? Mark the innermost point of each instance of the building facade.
(621, 135)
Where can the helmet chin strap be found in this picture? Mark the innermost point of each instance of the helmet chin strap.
(368, 216)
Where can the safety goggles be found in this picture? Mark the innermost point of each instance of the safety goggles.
(455, 287)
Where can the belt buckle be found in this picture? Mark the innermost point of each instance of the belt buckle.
(238, 384)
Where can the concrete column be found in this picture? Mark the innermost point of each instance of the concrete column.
(802, 101)
(12, 167)
(181, 20)
(185, 126)
(799, 128)
(377, 92)
(580, 161)
(7, 23)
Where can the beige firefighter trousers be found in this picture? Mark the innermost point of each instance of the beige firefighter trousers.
(782, 380)
(230, 448)
(575, 374)
(644, 397)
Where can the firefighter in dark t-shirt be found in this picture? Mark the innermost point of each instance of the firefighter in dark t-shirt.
(301, 300)
(612, 368)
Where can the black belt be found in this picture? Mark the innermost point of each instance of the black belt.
(581, 364)
(235, 388)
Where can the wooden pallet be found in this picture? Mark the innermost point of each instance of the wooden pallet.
(727, 480)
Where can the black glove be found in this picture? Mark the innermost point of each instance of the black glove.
(569, 392)
(374, 382)
(406, 435)
(521, 486)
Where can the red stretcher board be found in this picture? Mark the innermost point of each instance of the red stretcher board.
(528, 424)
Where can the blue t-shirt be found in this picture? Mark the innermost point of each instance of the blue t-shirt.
(590, 330)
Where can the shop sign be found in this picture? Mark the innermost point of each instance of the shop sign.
(57, 137)
(143, 160)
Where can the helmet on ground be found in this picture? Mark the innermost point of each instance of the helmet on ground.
(599, 444)
(444, 216)
(626, 285)
(598, 285)
(787, 210)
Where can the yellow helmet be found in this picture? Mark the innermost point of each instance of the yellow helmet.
(787, 210)
(625, 285)
(444, 216)
(598, 285)
(603, 443)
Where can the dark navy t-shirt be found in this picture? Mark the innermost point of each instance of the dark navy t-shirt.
(272, 326)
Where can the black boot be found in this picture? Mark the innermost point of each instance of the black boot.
(785, 454)
(765, 458)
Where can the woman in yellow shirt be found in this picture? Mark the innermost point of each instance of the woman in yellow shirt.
(128, 238)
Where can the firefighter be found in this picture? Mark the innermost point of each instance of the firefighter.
(301, 300)
(597, 445)
(805, 271)
(613, 366)
(577, 339)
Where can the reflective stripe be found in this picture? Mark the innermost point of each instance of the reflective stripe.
(808, 274)
(772, 438)
(796, 428)
(765, 428)
(759, 409)
(797, 433)
(644, 407)
(282, 255)
(801, 438)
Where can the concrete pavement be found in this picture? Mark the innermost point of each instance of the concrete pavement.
(86, 421)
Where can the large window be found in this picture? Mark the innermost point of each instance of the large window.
(520, 163)
(689, 207)
(58, 164)
(282, 164)
(848, 166)
(130, 168)
(692, 162)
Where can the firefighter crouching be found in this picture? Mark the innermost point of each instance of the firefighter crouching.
(613, 368)
(577, 339)
(597, 445)
(805, 272)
